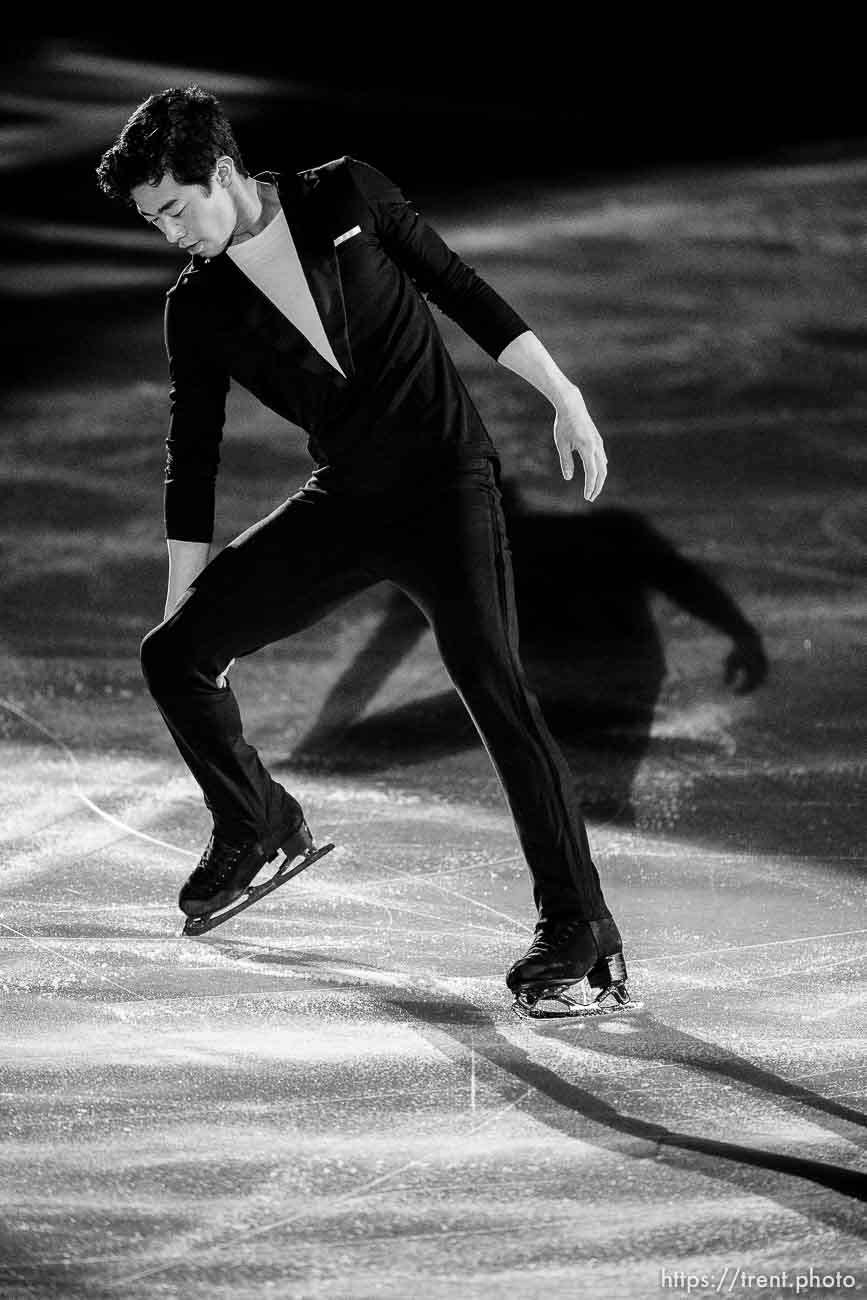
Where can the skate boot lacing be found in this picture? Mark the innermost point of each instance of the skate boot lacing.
(549, 936)
(217, 862)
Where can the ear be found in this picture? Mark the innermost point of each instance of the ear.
(225, 171)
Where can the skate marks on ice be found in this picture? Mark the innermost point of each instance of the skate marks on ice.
(466, 1095)
(296, 1075)
(459, 1004)
(661, 1045)
(509, 1079)
(76, 774)
(513, 1077)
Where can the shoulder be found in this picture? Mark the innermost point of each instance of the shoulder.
(339, 194)
(346, 175)
(334, 172)
(189, 287)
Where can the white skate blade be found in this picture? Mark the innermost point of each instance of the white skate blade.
(558, 1004)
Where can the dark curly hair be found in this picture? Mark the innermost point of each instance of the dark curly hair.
(182, 132)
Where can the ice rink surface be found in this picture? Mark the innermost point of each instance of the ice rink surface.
(331, 1096)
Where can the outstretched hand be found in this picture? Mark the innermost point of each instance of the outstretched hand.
(574, 431)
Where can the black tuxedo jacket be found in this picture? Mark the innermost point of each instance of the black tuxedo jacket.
(400, 413)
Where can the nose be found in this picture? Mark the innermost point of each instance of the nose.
(172, 230)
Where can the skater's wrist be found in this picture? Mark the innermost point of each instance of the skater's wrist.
(528, 357)
(186, 562)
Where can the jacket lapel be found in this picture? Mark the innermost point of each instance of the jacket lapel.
(311, 231)
(321, 268)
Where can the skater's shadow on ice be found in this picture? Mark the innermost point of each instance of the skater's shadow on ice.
(589, 642)
(466, 1032)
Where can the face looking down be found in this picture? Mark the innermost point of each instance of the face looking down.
(195, 220)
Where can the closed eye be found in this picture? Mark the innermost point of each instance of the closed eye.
(152, 220)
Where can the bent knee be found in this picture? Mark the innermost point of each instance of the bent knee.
(163, 659)
(151, 653)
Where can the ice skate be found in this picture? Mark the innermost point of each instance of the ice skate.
(225, 871)
(565, 955)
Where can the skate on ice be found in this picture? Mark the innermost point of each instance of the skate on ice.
(603, 993)
(220, 887)
(564, 955)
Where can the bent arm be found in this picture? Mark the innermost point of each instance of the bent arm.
(473, 304)
(436, 269)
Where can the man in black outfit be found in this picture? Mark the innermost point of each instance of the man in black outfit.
(309, 289)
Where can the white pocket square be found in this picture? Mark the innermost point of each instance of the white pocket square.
(347, 234)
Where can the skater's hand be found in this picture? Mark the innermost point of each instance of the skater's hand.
(223, 679)
(574, 431)
(746, 666)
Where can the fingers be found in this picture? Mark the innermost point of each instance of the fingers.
(584, 440)
(595, 473)
(223, 678)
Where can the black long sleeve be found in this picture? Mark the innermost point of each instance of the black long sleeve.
(438, 272)
(197, 414)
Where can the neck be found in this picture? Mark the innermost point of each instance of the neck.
(257, 204)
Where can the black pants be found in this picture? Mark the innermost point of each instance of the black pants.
(446, 548)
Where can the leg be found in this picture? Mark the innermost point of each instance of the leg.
(457, 568)
(278, 577)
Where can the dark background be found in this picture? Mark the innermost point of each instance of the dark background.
(449, 106)
(469, 116)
